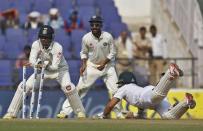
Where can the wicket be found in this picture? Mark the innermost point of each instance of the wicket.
(24, 92)
(32, 101)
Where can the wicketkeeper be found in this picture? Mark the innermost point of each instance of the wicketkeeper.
(46, 49)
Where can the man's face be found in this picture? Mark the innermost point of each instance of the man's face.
(74, 17)
(46, 42)
(153, 31)
(53, 17)
(124, 36)
(95, 27)
(143, 33)
(33, 19)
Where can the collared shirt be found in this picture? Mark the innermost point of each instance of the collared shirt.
(53, 53)
(97, 50)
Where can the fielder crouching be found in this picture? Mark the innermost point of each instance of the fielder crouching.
(151, 97)
(46, 49)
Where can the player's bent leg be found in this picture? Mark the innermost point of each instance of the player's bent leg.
(164, 85)
(178, 110)
(15, 103)
(74, 100)
(66, 110)
(82, 89)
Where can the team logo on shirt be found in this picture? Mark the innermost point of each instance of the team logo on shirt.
(105, 44)
(59, 55)
(91, 45)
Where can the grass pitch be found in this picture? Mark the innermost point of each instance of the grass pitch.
(100, 125)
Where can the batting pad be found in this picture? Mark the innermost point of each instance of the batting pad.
(66, 108)
(177, 111)
(16, 101)
(162, 88)
(75, 101)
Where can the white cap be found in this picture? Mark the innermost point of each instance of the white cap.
(53, 11)
(34, 14)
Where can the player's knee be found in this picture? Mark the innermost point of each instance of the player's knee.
(168, 116)
(156, 99)
(68, 88)
(28, 87)
(20, 86)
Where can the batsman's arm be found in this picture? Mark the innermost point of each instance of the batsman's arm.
(111, 104)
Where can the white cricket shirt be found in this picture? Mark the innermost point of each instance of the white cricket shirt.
(97, 50)
(55, 54)
(131, 93)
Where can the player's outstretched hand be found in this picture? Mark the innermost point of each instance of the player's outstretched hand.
(131, 115)
(27, 64)
(100, 116)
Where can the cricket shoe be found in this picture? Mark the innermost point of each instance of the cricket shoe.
(9, 116)
(81, 115)
(190, 101)
(62, 115)
(175, 71)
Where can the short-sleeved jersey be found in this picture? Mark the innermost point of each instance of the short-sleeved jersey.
(54, 53)
(130, 92)
(135, 95)
(97, 50)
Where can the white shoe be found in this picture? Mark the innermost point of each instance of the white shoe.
(62, 115)
(119, 115)
(81, 115)
(9, 116)
(190, 101)
(98, 116)
(175, 71)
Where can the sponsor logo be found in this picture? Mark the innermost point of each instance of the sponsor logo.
(105, 44)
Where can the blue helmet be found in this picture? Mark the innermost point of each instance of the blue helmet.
(96, 18)
(46, 31)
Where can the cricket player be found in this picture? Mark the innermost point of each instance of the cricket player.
(98, 55)
(45, 49)
(151, 97)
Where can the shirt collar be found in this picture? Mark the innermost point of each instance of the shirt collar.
(101, 36)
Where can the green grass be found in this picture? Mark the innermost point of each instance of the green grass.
(100, 125)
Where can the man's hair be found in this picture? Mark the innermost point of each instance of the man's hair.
(153, 27)
(142, 28)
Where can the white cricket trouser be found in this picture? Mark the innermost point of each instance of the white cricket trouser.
(155, 97)
(146, 101)
(62, 77)
(108, 74)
